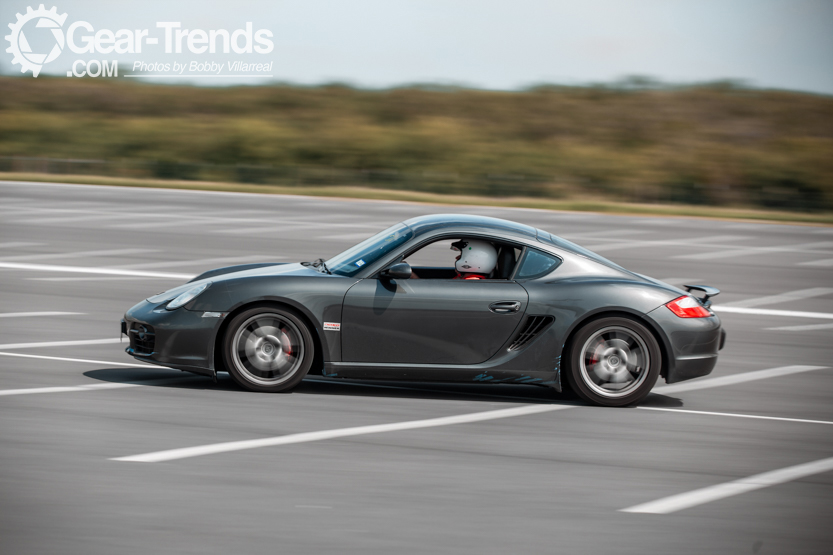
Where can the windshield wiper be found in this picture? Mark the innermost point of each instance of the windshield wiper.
(318, 264)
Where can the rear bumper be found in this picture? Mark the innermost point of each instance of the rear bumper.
(687, 368)
(692, 344)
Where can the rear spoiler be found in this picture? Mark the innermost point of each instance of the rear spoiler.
(708, 291)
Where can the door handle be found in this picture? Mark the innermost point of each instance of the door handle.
(505, 307)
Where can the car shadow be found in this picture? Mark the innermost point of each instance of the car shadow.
(159, 377)
(436, 390)
(318, 385)
(661, 401)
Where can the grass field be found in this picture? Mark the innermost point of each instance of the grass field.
(708, 146)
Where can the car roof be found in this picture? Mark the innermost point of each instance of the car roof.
(472, 223)
(434, 222)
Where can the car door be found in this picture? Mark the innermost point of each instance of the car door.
(429, 321)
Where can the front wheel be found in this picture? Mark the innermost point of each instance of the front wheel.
(268, 349)
(613, 362)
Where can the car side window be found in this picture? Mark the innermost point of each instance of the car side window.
(437, 260)
(436, 254)
(536, 264)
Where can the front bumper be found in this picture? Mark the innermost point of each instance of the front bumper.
(692, 344)
(179, 338)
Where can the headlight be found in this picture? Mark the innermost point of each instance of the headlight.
(163, 296)
(188, 296)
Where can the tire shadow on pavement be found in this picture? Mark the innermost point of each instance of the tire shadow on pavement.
(659, 400)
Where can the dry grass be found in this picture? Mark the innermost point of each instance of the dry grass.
(709, 145)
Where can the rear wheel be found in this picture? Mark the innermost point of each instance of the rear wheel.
(613, 362)
(268, 349)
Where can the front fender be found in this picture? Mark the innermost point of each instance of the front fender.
(319, 299)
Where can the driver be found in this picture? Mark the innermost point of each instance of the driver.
(476, 260)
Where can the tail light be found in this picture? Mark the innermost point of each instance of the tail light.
(688, 307)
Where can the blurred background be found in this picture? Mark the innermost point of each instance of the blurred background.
(690, 103)
(660, 107)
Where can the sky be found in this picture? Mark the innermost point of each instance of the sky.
(493, 45)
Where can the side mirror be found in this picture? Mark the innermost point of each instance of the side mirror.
(397, 271)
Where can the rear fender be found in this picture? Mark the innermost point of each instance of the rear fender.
(610, 312)
(575, 301)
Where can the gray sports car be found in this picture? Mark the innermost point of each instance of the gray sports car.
(542, 311)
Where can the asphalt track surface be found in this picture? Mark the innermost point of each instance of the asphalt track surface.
(371, 467)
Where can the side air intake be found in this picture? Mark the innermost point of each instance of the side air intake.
(531, 328)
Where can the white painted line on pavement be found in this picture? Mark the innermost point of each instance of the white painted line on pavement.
(654, 221)
(81, 254)
(160, 224)
(66, 389)
(681, 281)
(85, 360)
(607, 234)
(744, 377)
(90, 387)
(16, 210)
(344, 237)
(711, 241)
(810, 327)
(781, 298)
(10, 346)
(210, 449)
(208, 220)
(29, 314)
(87, 270)
(15, 244)
(736, 415)
(735, 252)
(214, 448)
(702, 496)
(73, 219)
(824, 263)
(771, 312)
(272, 229)
(86, 278)
(172, 263)
(728, 253)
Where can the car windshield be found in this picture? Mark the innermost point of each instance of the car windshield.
(369, 251)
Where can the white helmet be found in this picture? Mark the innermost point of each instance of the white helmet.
(477, 257)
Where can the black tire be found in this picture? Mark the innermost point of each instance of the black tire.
(268, 349)
(613, 362)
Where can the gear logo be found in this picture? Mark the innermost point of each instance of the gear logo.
(20, 49)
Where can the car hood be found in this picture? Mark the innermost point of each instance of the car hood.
(237, 269)
(242, 271)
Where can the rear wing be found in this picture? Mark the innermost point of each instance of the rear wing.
(708, 291)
